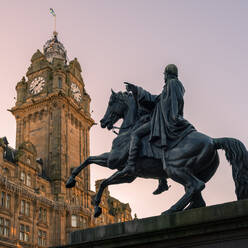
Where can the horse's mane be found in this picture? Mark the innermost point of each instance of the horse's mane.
(125, 96)
(128, 99)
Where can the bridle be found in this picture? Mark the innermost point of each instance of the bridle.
(120, 128)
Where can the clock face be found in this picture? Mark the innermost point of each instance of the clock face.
(37, 85)
(76, 92)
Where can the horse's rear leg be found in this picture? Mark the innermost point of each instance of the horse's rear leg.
(101, 160)
(197, 202)
(192, 185)
(116, 178)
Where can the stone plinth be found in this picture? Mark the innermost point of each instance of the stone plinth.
(219, 226)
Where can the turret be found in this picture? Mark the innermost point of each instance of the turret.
(21, 89)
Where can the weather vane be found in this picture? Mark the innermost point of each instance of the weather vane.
(53, 13)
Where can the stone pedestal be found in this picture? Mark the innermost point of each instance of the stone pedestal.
(219, 226)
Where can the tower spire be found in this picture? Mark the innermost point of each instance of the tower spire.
(53, 48)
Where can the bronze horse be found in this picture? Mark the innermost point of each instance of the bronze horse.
(196, 153)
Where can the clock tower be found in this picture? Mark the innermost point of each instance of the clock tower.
(52, 112)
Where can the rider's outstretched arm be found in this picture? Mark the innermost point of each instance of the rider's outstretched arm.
(143, 97)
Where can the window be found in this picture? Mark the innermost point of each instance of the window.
(60, 83)
(4, 227)
(40, 213)
(82, 199)
(74, 220)
(28, 182)
(43, 215)
(24, 232)
(42, 238)
(5, 200)
(25, 208)
(43, 189)
(2, 198)
(23, 176)
(7, 203)
(73, 201)
(77, 200)
(6, 171)
(26, 179)
(82, 222)
(22, 206)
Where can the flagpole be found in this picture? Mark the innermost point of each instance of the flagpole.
(54, 15)
(55, 23)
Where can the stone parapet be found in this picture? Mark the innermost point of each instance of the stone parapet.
(219, 226)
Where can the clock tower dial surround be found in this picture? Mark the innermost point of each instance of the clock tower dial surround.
(37, 85)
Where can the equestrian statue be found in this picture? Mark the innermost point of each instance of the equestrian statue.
(155, 141)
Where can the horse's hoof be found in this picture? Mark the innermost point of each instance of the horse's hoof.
(161, 189)
(71, 182)
(98, 211)
(167, 212)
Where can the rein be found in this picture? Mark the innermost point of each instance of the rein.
(120, 128)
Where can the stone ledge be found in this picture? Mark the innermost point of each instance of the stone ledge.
(224, 225)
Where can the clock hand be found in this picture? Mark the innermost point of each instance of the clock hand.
(35, 85)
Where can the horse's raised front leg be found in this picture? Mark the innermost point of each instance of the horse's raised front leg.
(116, 178)
(101, 160)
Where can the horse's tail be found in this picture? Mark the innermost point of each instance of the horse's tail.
(237, 155)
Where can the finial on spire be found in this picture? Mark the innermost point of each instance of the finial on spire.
(55, 34)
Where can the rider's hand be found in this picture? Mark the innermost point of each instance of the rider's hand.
(131, 87)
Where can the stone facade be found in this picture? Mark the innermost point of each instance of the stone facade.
(53, 120)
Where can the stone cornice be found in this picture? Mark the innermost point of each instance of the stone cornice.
(59, 206)
(29, 107)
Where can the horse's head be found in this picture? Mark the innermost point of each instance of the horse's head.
(115, 111)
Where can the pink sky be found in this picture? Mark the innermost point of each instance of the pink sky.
(132, 40)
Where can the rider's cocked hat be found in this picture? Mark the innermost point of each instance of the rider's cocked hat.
(171, 69)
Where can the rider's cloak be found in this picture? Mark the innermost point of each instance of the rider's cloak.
(168, 127)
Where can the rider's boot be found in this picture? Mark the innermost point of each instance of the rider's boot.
(133, 153)
(71, 182)
(162, 186)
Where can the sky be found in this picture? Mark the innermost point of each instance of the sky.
(133, 40)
